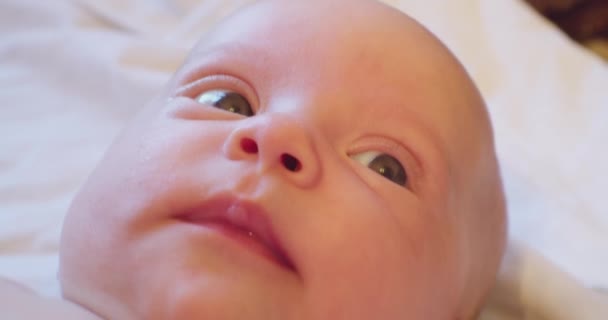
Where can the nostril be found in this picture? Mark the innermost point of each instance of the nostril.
(290, 162)
(249, 146)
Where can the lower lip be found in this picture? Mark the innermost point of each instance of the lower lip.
(249, 241)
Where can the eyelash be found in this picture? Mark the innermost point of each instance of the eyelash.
(220, 82)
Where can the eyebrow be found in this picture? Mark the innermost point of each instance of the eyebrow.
(417, 136)
(223, 58)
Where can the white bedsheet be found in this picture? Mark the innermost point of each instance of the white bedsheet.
(72, 72)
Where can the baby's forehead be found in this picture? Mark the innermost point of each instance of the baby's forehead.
(323, 26)
(343, 43)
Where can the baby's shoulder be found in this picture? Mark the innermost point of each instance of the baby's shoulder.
(18, 302)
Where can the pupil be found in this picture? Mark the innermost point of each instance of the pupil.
(235, 103)
(387, 172)
(390, 168)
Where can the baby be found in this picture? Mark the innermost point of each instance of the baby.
(311, 160)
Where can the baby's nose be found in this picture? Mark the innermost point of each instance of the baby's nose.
(277, 143)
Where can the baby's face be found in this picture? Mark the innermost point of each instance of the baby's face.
(307, 162)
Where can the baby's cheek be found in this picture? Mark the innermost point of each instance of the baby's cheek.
(370, 268)
(418, 258)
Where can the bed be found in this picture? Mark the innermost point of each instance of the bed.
(73, 71)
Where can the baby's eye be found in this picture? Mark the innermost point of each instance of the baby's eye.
(385, 165)
(226, 100)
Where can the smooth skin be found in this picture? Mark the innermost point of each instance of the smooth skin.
(333, 85)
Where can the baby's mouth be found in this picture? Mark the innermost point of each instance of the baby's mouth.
(243, 222)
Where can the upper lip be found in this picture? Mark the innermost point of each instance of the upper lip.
(241, 214)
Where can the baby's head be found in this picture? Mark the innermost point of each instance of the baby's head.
(310, 160)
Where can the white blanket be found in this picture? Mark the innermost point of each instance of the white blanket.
(72, 72)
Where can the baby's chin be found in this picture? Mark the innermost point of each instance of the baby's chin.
(209, 300)
(176, 288)
(177, 300)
